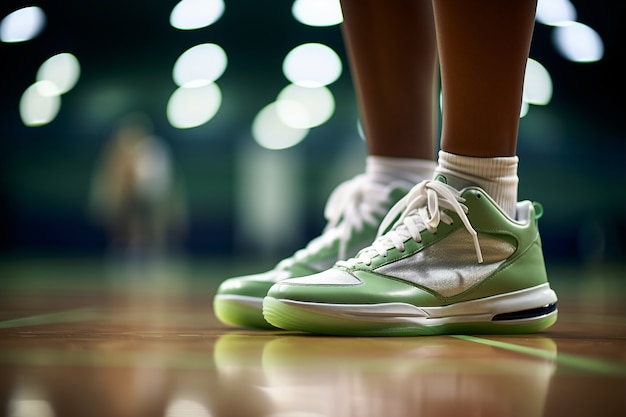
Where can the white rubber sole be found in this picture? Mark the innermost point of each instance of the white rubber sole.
(527, 308)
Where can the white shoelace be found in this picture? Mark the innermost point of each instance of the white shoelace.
(421, 209)
(353, 204)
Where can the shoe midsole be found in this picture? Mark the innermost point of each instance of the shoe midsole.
(481, 310)
(242, 299)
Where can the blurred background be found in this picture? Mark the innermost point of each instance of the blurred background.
(204, 128)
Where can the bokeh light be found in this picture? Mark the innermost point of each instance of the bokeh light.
(269, 131)
(192, 107)
(22, 25)
(537, 84)
(196, 14)
(312, 65)
(359, 129)
(578, 42)
(62, 70)
(524, 109)
(200, 65)
(555, 12)
(39, 104)
(304, 108)
(30, 408)
(317, 12)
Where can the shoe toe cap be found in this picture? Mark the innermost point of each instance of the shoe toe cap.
(314, 287)
(255, 285)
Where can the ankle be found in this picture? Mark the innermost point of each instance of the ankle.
(497, 176)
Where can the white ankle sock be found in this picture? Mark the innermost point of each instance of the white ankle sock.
(497, 176)
(385, 170)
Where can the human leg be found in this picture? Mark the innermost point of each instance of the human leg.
(395, 84)
(394, 76)
(483, 49)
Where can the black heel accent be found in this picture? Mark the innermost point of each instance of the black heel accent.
(526, 314)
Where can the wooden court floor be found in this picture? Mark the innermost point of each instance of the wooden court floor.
(77, 339)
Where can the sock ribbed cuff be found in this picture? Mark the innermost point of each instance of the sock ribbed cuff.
(497, 176)
(385, 169)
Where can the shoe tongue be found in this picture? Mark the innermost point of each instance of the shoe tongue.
(454, 181)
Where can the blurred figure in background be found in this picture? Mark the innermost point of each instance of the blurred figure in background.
(136, 195)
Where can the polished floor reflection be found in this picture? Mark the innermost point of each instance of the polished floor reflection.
(104, 348)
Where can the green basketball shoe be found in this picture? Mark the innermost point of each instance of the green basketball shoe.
(354, 212)
(453, 262)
